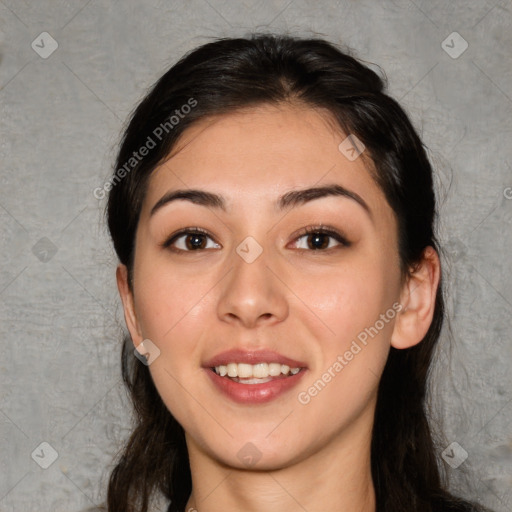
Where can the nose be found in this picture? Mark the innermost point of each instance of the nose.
(252, 293)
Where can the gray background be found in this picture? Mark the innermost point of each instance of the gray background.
(61, 119)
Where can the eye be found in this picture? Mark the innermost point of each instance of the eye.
(189, 240)
(313, 238)
(320, 239)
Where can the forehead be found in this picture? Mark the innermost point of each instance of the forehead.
(261, 153)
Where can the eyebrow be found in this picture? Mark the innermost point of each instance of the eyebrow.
(286, 201)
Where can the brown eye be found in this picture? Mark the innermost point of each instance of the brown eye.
(195, 241)
(190, 241)
(318, 239)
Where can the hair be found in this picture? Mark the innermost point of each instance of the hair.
(228, 75)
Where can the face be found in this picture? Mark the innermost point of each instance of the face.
(310, 281)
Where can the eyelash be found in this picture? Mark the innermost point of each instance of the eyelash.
(323, 230)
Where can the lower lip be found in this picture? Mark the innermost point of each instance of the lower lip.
(254, 393)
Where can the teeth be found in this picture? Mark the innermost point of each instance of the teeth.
(260, 371)
(256, 371)
(274, 369)
(232, 370)
(244, 371)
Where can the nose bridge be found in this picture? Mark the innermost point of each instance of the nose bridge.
(251, 291)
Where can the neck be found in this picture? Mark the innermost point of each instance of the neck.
(338, 477)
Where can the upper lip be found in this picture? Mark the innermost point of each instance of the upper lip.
(252, 357)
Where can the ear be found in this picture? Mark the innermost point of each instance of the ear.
(418, 298)
(128, 304)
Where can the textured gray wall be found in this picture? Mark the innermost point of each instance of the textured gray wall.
(61, 117)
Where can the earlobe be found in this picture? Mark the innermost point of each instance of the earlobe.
(128, 304)
(418, 299)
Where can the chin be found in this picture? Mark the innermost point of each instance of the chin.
(259, 452)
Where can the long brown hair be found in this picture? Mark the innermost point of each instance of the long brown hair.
(226, 75)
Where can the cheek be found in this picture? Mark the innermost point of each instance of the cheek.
(171, 308)
(354, 304)
(167, 301)
(353, 343)
(346, 299)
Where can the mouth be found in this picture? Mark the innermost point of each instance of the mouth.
(254, 377)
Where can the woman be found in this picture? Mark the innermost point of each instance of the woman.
(273, 213)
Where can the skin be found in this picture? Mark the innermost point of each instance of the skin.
(306, 304)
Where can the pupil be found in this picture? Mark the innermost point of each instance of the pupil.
(195, 241)
(318, 239)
